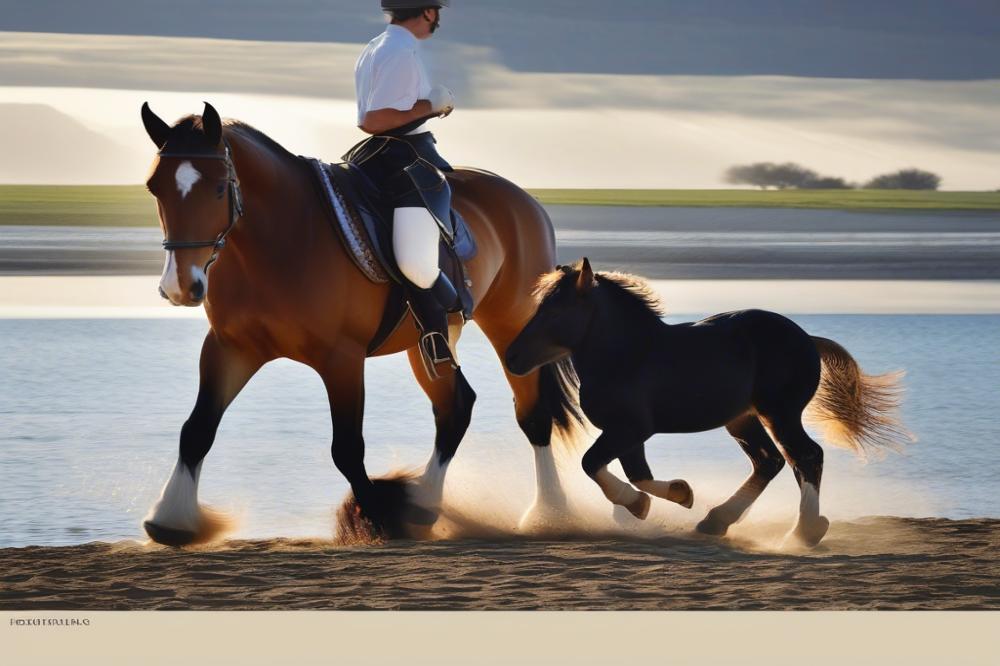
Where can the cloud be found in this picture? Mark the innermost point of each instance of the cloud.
(585, 147)
(888, 39)
(541, 129)
(42, 145)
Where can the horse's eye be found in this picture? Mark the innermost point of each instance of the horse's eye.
(220, 189)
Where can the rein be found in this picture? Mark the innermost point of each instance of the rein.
(234, 195)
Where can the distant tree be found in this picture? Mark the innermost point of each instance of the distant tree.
(757, 175)
(827, 183)
(769, 174)
(782, 176)
(905, 179)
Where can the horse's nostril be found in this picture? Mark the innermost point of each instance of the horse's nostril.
(163, 294)
(198, 290)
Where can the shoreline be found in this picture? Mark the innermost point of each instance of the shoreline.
(872, 563)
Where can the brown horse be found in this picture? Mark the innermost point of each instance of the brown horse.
(283, 286)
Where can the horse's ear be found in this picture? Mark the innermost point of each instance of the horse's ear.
(585, 280)
(212, 125)
(157, 130)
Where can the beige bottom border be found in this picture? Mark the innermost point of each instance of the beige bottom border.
(488, 638)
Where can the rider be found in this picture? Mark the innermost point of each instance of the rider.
(395, 98)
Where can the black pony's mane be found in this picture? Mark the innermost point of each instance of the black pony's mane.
(191, 136)
(633, 289)
(629, 290)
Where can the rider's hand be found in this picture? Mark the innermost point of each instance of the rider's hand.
(442, 100)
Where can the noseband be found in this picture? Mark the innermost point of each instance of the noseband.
(234, 195)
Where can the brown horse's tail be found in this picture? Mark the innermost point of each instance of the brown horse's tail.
(857, 411)
(558, 397)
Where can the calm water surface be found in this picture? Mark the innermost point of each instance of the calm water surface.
(91, 410)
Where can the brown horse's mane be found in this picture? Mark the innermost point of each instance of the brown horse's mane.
(191, 135)
(251, 132)
(628, 286)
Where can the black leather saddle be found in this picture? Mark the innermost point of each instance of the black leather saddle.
(362, 218)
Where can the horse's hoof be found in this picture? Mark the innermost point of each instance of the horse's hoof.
(640, 507)
(415, 514)
(712, 527)
(169, 536)
(545, 517)
(681, 493)
(809, 534)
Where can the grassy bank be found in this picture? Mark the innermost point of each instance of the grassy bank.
(131, 205)
(836, 199)
(84, 205)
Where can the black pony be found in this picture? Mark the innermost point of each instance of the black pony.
(752, 371)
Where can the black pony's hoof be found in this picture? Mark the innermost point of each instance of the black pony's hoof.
(169, 536)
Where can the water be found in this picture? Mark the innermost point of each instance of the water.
(91, 411)
(703, 243)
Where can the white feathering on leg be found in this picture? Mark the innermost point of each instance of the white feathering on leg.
(428, 491)
(177, 507)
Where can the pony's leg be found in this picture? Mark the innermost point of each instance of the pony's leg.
(639, 475)
(806, 458)
(177, 519)
(767, 462)
(452, 399)
(595, 464)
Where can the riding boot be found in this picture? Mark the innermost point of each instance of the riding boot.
(446, 294)
(430, 309)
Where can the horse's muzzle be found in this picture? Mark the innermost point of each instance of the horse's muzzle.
(197, 291)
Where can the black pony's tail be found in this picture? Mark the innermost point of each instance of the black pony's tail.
(559, 399)
(855, 410)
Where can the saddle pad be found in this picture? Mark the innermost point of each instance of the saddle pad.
(349, 225)
(360, 216)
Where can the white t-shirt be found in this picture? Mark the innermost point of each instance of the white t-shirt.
(389, 74)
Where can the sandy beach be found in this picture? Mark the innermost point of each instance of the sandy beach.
(871, 563)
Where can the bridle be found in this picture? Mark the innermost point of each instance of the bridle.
(233, 193)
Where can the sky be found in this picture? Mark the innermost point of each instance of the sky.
(553, 94)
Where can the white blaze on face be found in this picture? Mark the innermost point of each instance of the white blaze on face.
(169, 282)
(187, 176)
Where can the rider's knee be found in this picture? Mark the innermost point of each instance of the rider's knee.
(415, 243)
(417, 271)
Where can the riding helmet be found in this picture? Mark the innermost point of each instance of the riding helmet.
(413, 4)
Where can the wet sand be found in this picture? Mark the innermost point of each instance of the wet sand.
(871, 563)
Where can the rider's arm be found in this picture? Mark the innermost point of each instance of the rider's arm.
(383, 120)
(394, 96)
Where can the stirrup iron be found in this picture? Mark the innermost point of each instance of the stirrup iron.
(431, 356)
